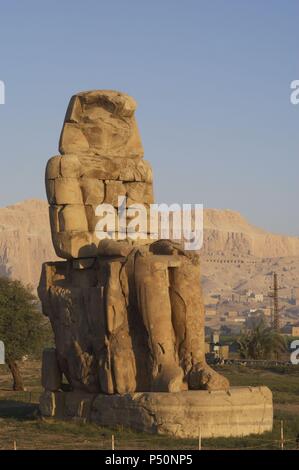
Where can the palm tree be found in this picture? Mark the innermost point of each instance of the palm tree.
(261, 342)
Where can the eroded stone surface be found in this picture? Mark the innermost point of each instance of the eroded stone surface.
(101, 122)
(51, 372)
(131, 321)
(101, 161)
(240, 411)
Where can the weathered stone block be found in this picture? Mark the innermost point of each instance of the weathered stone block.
(51, 373)
(78, 404)
(51, 404)
(138, 192)
(70, 166)
(68, 191)
(72, 139)
(93, 191)
(114, 190)
(240, 411)
(132, 170)
(54, 220)
(70, 245)
(122, 169)
(50, 189)
(53, 167)
(72, 218)
(135, 192)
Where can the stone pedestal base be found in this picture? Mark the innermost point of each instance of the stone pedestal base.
(237, 412)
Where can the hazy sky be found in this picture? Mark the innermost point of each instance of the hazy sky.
(212, 79)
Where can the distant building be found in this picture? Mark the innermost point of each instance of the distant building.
(211, 312)
(295, 292)
(215, 296)
(211, 300)
(214, 350)
(235, 297)
(215, 338)
(285, 292)
(266, 311)
(289, 329)
(259, 297)
(231, 314)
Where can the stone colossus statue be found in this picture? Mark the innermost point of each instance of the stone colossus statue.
(127, 315)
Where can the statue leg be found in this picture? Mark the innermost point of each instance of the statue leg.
(120, 363)
(152, 286)
(188, 320)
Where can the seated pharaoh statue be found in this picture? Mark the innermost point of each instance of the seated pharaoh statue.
(127, 313)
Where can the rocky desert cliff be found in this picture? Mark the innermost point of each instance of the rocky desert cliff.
(25, 240)
(227, 232)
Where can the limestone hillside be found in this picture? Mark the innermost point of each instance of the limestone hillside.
(228, 232)
(25, 241)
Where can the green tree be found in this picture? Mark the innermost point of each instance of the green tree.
(261, 342)
(22, 328)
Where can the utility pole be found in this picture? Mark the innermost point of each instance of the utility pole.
(275, 304)
(275, 310)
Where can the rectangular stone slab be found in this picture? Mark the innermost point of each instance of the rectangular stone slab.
(124, 169)
(240, 411)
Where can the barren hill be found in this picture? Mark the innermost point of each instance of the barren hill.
(227, 232)
(25, 240)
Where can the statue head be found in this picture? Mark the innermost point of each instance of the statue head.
(102, 123)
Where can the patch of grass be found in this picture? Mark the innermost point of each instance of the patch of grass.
(51, 434)
(284, 382)
(266, 441)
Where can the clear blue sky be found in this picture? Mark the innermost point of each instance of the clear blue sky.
(212, 79)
